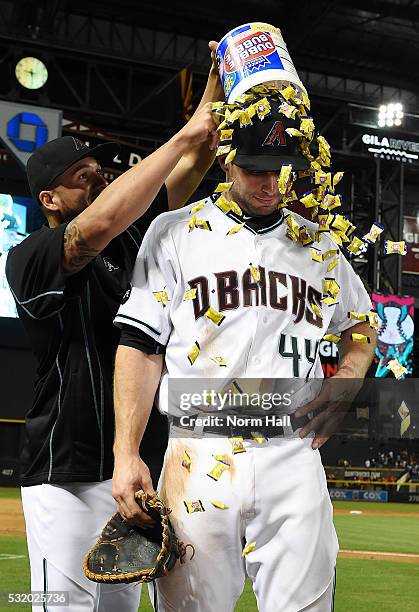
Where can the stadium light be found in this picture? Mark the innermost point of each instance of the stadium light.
(390, 115)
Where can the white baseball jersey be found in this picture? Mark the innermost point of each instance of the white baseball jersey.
(240, 304)
(261, 283)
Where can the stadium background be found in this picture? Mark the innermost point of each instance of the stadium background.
(133, 72)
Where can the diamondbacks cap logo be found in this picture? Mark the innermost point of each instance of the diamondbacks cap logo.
(276, 136)
(79, 144)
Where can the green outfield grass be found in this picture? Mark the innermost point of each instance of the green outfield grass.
(362, 584)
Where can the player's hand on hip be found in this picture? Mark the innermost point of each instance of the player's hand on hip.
(131, 474)
(329, 408)
(200, 128)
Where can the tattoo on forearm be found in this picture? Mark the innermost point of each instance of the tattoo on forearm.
(77, 252)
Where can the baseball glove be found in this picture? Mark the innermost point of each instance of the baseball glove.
(127, 553)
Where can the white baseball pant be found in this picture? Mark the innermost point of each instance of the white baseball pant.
(276, 496)
(62, 523)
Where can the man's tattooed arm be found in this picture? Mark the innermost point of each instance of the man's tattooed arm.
(77, 252)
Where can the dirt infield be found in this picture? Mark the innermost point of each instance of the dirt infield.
(341, 511)
(379, 556)
(11, 517)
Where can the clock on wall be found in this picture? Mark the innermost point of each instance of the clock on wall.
(31, 72)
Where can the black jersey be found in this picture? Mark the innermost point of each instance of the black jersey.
(70, 427)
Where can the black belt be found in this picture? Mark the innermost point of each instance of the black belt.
(247, 432)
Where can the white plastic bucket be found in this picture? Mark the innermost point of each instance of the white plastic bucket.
(252, 54)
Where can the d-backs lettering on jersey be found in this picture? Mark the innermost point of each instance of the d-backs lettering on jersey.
(235, 290)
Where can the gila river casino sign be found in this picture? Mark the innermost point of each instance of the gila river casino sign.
(384, 147)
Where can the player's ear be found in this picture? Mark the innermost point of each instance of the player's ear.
(224, 167)
(47, 200)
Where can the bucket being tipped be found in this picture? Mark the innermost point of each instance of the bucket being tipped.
(252, 54)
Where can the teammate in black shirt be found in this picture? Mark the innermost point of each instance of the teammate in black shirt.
(68, 279)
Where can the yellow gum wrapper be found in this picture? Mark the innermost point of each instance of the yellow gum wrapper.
(357, 316)
(309, 200)
(222, 187)
(328, 300)
(330, 285)
(186, 461)
(291, 235)
(333, 264)
(317, 310)
(293, 225)
(403, 410)
(396, 367)
(254, 271)
(244, 118)
(331, 338)
(236, 228)
(226, 205)
(355, 245)
(314, 213)
(324, 146)
(223, 150)
(258, 437)
(262, 107)
(336, 237)
(289, 93)
(162, 297)
(226, 134)
(194, 505)
(194, 352)
(287, 110)
(331, 201)
(248, 549)
(373, 319)
(337, 177)
(360, 338)
(294, 133)
(219, 505)
(230, 156)
(374, 233)
(304, 236)
(316, 255)
(222, 363)
(284, 177)
(404, 425)
(197, 207)
(223, 459)
(324, 222)
(323, 178)
(340, 223)
(218, 470)
(237, 445)
(330, 253)
(307, 125)
(395, 248)
(192, 223)
(223, 204)
(214, 316)
(190, 294)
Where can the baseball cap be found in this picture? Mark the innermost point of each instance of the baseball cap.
(265, 145)
(56, 156)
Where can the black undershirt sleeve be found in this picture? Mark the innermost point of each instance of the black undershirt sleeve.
(136, 338)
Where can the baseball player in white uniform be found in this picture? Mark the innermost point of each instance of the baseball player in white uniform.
(219, 290)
